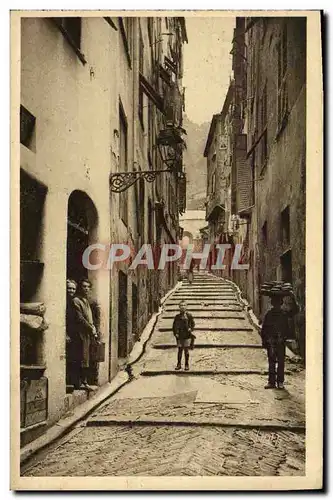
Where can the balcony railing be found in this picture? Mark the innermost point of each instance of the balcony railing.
(215, 204)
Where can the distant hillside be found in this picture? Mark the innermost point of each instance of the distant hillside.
(195, 164)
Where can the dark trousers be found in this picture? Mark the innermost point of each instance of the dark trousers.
(180, 354)
(276, 356)
(73, 372)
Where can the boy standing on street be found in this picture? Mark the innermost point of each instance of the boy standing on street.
(274, 332)
(182, 328)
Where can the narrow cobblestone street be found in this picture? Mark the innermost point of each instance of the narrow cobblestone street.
(216, 419)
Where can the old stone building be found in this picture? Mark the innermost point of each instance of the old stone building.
(218, 151)
(267, 135)
(276, 150)
(96, 96)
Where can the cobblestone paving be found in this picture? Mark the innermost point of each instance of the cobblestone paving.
(169, 451)
(227, 337)
(267, 407)
(216, 413)
(210, 314)
(208, 359)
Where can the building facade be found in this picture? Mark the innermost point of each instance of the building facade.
(268, 150)
(95, 95)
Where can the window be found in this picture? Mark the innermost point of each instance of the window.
(253, 176)
(27, 127)
(141, 71)
(213, 183)
(122, 315)
(285, 227)
(264, 27)
(123, 163)
(252, 78)
(263, 126)
(71, 28)
(126, 29)
(263, 150)
(282, 98)
(141, 208)
(286, 267)
(111, 23)
(264, 234)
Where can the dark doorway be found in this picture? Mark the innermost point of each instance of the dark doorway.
(286, 267)
(32, 201)
(77, 236)
(82, 224)
(135, 332)
(122, 315)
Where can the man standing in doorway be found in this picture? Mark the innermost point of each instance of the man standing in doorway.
(73, 339)
(87, 329)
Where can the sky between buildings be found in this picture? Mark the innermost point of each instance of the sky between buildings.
(207, 65)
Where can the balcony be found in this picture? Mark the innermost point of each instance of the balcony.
(181, 192)
(215, 205)
(173, 104)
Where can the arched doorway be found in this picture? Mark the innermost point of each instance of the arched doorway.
(187, 239)
(82, 222)
(81, 232)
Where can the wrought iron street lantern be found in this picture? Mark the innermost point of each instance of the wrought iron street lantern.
(170, 145)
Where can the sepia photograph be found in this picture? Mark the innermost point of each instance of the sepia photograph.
(166, 250)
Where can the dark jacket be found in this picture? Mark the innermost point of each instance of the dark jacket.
(74, 345)
(183, 325)
(276, 328)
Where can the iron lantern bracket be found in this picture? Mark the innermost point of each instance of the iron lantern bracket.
(121, 181)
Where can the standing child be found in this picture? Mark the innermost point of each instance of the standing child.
(183, 326)
(274, 332)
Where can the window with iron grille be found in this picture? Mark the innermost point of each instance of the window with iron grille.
(123, 163)
(282, 97)
(27, 127)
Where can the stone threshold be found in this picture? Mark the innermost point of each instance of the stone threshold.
(212, 318)
(174, 307)
(206, 302)
(194, 372)
(211, 346)
(211, 329)
(203, 293)
(162, 421)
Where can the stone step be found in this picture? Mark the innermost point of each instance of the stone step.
(209, 307)
(128, 420)
(154, 373)
(204, 303)
(212, 329)
(211, 337)
(205, 289)
(202, 314)
(204, 292)
(211, 346)
(203, 296)
(208, 324)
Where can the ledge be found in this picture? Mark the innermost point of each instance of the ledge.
(33, 427)
(152, 373)
(156, 421)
